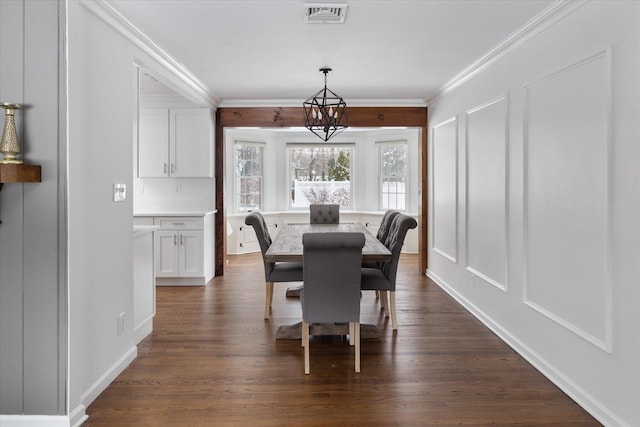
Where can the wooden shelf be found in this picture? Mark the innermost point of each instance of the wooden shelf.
(19, 173)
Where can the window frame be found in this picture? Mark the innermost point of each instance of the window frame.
(236, 181)
(381, 145)
(289, 145)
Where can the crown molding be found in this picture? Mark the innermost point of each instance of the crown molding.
(196, 88)
(249, 103)
(555, 12)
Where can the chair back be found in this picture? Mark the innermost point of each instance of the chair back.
(256, 220)
(385, 224)
(324, 214)
(331, 274)
(395, 239)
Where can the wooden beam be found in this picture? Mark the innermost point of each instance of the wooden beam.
(270, 117)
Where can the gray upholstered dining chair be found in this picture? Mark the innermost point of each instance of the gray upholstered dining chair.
(385, 224)
(383, 232)
(324, 214)
(273, 272)
(383, 279)
(331, 292)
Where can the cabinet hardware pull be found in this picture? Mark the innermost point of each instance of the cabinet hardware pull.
(173, 168)
(175, 240)
(181, 242)
(165, 168)
(178, 223)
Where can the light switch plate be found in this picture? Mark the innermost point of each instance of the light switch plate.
(119, 192)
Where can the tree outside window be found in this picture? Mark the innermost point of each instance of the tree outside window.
(320, 174)
(393, 175)
(248, 162)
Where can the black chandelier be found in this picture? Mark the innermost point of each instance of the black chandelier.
(325, 112)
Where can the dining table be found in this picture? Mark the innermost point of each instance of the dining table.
(287, 247)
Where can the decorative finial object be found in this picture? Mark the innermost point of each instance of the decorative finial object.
(9, 145)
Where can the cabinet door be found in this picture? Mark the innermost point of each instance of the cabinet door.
(191, 253)
(153, 143)
(191, 143)
(166, 252)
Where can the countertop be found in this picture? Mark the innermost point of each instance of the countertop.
(174, 212)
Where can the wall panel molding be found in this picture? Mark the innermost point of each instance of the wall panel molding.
(567, 243)
(444, 172)
(487, 191)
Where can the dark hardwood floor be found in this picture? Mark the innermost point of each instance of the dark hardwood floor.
(213, 360)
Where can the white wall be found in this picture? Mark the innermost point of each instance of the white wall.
(100, 231)
(534, 202)
(102, 104)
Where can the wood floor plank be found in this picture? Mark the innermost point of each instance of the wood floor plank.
(212, 360)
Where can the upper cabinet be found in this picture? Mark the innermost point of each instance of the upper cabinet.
(175, 142)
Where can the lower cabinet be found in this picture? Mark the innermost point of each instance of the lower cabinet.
(179, 253)
(183, 248)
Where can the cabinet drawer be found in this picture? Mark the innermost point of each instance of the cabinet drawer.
(179, 223)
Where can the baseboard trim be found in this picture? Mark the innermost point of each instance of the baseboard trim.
(34, 421)
(107, 378)
(590, 404)
(78, 416)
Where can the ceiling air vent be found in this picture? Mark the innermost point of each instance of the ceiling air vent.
(325, 13)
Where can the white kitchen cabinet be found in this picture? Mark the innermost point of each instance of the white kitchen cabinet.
(175, 142)
(179, 253)
(183, 249)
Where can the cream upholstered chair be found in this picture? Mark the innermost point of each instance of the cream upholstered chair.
(383, 279)
(331, 292)
(324, 214)
(273, 272)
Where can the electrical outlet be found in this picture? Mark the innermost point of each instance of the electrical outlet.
(121, 324)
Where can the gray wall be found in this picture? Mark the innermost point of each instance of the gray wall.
(32, 296)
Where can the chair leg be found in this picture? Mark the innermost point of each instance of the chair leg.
(392, 306)
(377, 294)
(356, 327)
(384, 302)
(351, 332)
(305, 343)
(268, 299)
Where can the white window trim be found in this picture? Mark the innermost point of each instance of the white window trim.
(379, 146)
(244, 142)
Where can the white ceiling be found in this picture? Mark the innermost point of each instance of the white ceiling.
(392, 51)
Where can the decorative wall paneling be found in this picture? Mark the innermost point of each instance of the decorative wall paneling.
(444, 229)
(294, 117)
(571, 309)
(567, 240)
(487, 191)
